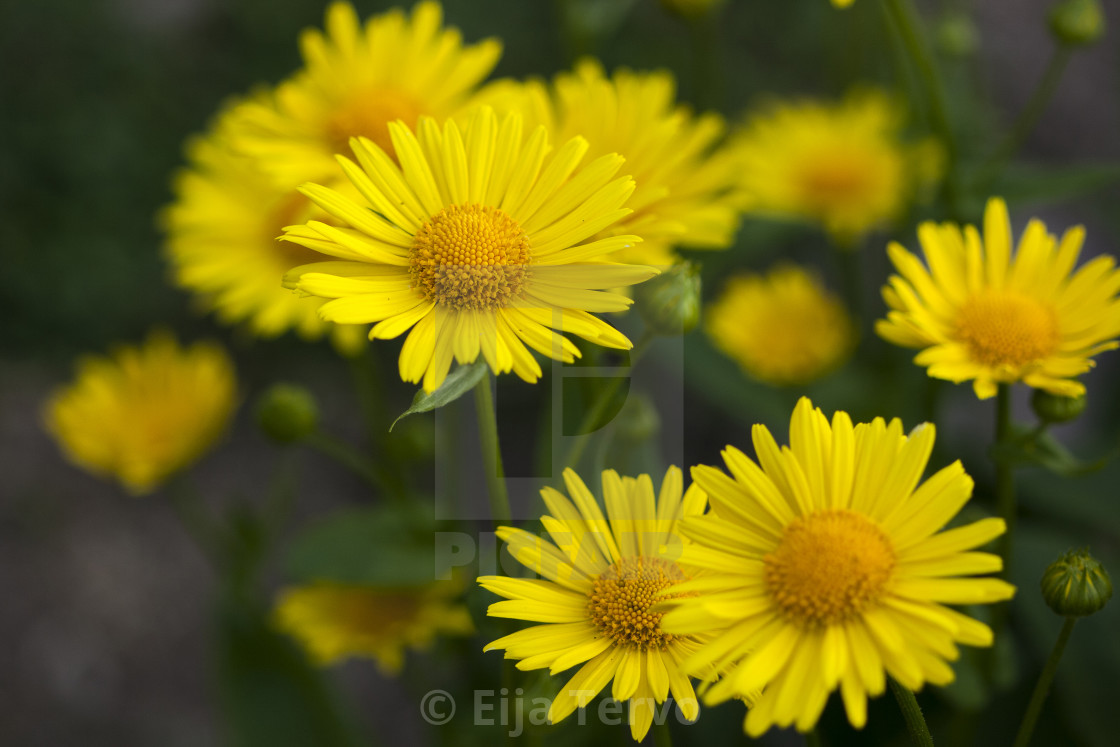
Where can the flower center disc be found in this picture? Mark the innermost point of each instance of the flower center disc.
(1002, 328)
(470, 257)
(833, 182)
(829, 566)
(620, 599)
(369, 115)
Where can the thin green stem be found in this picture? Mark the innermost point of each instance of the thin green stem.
(813, 738)
(912, 713)
(491, 452)
(198, 523)
(906, 23)
(349, 457)
(1005, 478)
(662, 737)
(1027, 118)
(1042, 687)
(602, 400)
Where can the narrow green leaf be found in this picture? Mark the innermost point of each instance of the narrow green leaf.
(460, 381)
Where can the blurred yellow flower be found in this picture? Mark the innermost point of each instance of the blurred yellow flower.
(981, 314)
(476, 243)
(144, 413)
(600, 579)
(336, 621)
(685, 180)
(842, 3)
(828, 569)
(783, 328)
(843, 165)
(221, 240)
(356, 80)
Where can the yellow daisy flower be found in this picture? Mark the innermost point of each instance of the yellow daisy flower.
(336, 621)
(783, 328)
(356, 80)
(842, 3)
(600, 579)
(144, 413)
(843, 165)
(982, 314)
(685, 181)
(829, 570)
(221, 240)
(475, 243)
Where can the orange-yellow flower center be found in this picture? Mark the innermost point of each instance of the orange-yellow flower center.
(829, 566)
(1002, 328)
(369, 115)
(470, 257)
(621, 597)
(833, 182)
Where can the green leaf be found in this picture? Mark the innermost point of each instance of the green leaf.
(460, 381)
(382, 546)
(1029, 448)
(1026, 184)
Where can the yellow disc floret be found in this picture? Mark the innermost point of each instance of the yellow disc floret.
(470, 257)
(1002, 328)
(620, 600)
(829, 566)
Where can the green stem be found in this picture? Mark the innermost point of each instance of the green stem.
(662, 737)
(1028, 118)
(602, 400)
(1005, 478)
(813, 738)
(906, 23)
(1042, 687)
(912, 713)
(491, 452)
(198, 523)
(349, 457)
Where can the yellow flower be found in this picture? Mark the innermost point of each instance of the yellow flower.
(981, 314)
(144, 413)
(783, 328)
(221, 240)
(843, 165)
(685, 183)
(475, 243)
(336, 621)
(600, 579)
(829, 570)
(356, 80)
(842, 3)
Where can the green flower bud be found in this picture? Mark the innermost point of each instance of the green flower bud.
(638, 420)
(1056, 408)
(670, 302)
(1077, 22)
(957, 35)
(1076, 585)
(287, 413)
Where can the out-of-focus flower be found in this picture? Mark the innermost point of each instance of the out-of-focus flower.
(476, 243)
(357, 79)
(844, 165)
(600, 580)
(841, 3)
(783, 328)
(221, 239)
(145, 412)
(685, 194)
(981, 314)
(337, 621)
(828, 569)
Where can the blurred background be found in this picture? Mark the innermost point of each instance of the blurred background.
(108, 616)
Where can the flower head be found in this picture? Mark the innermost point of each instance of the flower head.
(685, 194)
(221, 239)
(356, 80)
(829, 570)
(144, 413)
(843, 165)
(783, 328)
(478, 242)
(601, 579)
(980, 313)
(336, 621)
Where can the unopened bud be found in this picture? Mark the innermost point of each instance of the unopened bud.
(1077, 22)
(287, 413)
(1056, 408)
(1076, 585)
(670, 302)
